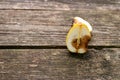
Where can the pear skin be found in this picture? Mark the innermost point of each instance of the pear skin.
(79, 36)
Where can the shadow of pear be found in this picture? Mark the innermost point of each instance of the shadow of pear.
(84, 56)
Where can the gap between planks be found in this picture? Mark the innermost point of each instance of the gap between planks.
(52, 47)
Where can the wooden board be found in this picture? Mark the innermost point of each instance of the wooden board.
(97, 17)
(39, 27)
(32, 40)
(46, 22)
(36, 35)
(57, 64)
(59, 4)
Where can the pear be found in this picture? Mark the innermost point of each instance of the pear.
(78, 36)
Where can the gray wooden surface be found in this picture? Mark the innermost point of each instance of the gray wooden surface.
(59, 64)
(32, 40)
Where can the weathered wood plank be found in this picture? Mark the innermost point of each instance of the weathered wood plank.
(96, 17)
(38, 27)
(57, 64)
(40, 35)
(59, 4)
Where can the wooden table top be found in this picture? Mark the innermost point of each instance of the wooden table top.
(32, 40)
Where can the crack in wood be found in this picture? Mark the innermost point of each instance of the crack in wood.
(52, 47)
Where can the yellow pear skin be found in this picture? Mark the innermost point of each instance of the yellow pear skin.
(79, 36)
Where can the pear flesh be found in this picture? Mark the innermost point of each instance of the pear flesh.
(78, 36)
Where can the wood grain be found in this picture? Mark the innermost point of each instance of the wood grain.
(34, 32)
(38, 27)
(59, 4)
(96, 17)
(57, 64)
(40, 35)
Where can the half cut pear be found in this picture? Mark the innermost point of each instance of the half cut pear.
(78, 36)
